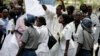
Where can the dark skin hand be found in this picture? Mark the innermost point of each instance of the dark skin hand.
(21, 49)
(44, 7)
(79, 49)
(63, 5)
(66, 49)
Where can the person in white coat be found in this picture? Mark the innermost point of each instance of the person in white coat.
(43, 49)
(75, 26)
(53, 25)
(52, 18)
(66, 44)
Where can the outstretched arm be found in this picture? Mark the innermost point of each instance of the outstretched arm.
(63, 5)
(44, 7)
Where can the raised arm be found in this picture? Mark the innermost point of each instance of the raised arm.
(63, 5)
(44, 7)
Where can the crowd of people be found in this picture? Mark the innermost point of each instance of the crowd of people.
(75, 31)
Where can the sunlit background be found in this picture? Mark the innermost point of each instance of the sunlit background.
(76, 3)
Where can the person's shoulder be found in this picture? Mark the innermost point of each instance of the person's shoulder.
(93, 15)
(69, 25)
(44, 28)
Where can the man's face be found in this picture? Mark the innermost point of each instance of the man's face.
(20, 2)
(58, 10)
(5, 14)
(89, 10)
(61, 20)
(78, 16)
(12, 4)
(17, 10)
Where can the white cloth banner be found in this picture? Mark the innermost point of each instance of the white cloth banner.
(33, 7)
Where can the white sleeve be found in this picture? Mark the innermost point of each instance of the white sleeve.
(44, 36)
(49, 13)
(67, 34)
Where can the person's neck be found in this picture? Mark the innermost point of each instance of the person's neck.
(89, 14)
(64, 25)
(77, 22)
(58, 15)
(69, 13)
(39, 25)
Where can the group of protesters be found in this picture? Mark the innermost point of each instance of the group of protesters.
(75, 32)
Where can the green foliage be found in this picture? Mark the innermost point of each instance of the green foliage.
(81, 1)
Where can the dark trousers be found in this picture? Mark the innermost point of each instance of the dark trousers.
(85, 53)
(29, 52)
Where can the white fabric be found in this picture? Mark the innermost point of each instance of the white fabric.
(75, 34)
(10, 25)
(10, 46)
(33, 7)
(49, 18)
(56, 27)
(43, 49)
(5, 47)
(60, 48)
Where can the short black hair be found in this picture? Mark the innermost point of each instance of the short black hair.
(42, 20)
(67, 18)
(12, 14)
(71, 7)
(81, 7)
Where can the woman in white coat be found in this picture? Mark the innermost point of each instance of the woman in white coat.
(75, 26)
(43, 49)
(66, 43)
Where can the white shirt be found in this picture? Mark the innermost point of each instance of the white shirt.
(66, 34)
(43, 40)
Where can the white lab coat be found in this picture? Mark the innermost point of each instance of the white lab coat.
(60, 48)
(75, 34)
(43, 49)
(66, 34)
